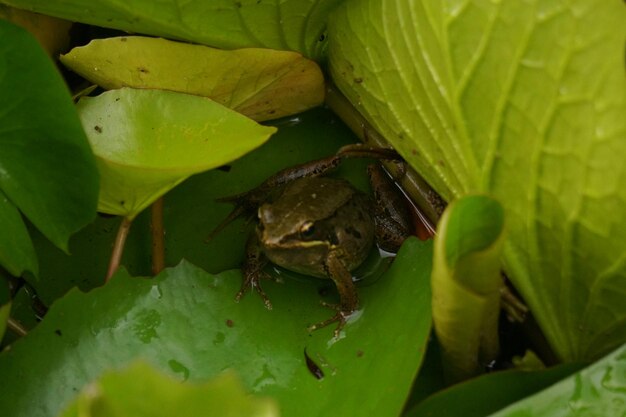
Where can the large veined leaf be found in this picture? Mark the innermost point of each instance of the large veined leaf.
(524, 100)
(123, 393)
(262, 84)
(148, 141)
(297, 25)
(186, 322)
(46, 167)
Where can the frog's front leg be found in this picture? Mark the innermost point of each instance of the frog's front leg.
(253, 271)
(348, 298)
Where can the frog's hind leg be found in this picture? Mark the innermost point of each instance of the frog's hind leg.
(348, 297)
(392, 215)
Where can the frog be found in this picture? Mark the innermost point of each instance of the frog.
(320, 226)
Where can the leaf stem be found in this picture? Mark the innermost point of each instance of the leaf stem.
(16, 327)
(158, 237)
(426, 199)
(118, 247)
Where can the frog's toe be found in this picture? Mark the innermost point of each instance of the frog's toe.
(254, 285)
(341, 317)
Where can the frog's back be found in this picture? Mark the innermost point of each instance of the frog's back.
(342, 220)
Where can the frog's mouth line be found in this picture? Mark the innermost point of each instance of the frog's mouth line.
(287, 243)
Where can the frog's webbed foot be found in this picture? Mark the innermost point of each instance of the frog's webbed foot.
(252, 281)
(341, 317)
(253, 271)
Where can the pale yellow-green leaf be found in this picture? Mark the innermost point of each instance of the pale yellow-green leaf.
(466, 284)
(142, 391)
(148, 141)
(260, 83)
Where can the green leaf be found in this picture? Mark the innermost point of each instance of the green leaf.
(286, 24)
(186, 321)
(262, 84)
(466, 284)
(597, 390)
(133, 391)
(489, 393)
(148, 141)
(46, 167)
(191, 211)
(17, 253)
(524, 101)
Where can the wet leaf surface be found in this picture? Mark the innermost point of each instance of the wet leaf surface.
(186, 322)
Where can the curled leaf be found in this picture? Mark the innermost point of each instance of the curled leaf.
(466, 284)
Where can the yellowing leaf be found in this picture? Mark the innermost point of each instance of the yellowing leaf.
(262, 84)
(148, 141)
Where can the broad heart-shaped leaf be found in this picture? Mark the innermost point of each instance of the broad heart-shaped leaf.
(148, 141)
(524, 101)
(46, 167)
(297, 25)
(186, 321)
(466, 284)
(595, 391)
(142, 391)
(262, 84)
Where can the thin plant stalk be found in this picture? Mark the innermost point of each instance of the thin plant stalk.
(118, 247)
(16, 327)
(426, 199)
(158, 237)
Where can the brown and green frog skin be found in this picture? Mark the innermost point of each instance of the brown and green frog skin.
(320, 226)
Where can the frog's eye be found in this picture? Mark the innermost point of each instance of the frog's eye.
(307, 230)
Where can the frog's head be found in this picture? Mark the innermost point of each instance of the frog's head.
(287, 229)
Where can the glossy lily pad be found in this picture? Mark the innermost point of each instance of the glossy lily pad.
(262, 84)
(148, 141)
(186, 321)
